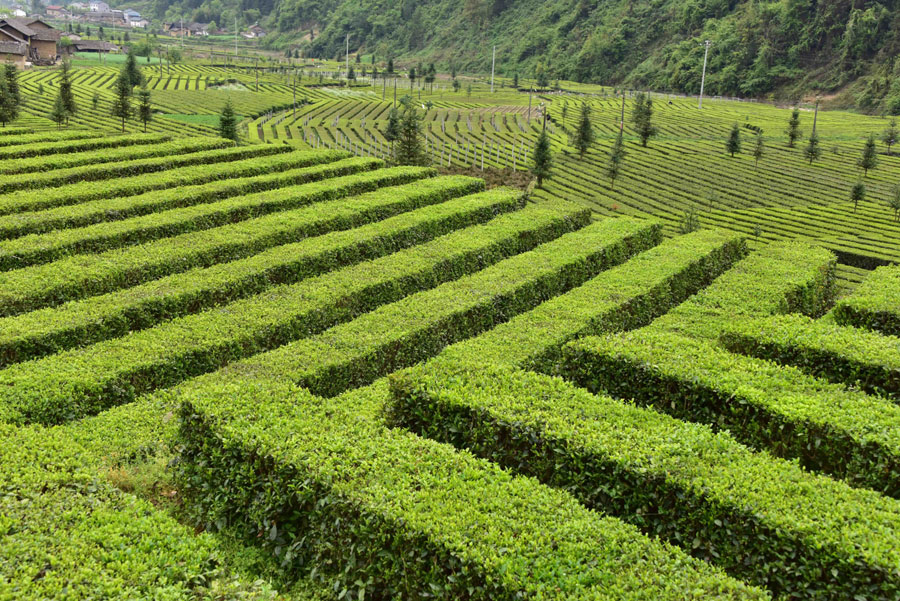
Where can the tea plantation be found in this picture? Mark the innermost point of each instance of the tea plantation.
(291, 370)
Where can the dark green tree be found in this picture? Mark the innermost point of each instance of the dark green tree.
(894, 202)
(390, 66)
(584, 133)
(351, 75)
(542, 158)
(430, 75)
(889, 136)
(409, 149)
(65, 89)
(11, 74)
(95, 100)
(793, 130)
(541, 76)
(642, 116)
(733, 145)
(412, 77)
(759, 148)
(456, 85)
(132, 71)
(145, 110)
(516, 80)
(121, 106)
(392, 132)
(228, 122)
(857, 193)
(869, 158)
(616, 156)
(58, 114)
(9, 95)
(812, 150)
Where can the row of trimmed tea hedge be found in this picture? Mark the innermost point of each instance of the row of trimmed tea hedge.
(241, 165)
(129, 149)
(843, 433)
(627, 296)
(11, 144)
(783, 277)
(381, 513)
(417, 327)
(43, 248)
(761, 519)
(96, 318)
(875, 304)
(117, 208)
(854, 356)
(84, 381)
(55, 155)
(80, 276)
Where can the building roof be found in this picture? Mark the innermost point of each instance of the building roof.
(19, 24)
(13, 48)
(94, 45)
(54, 7)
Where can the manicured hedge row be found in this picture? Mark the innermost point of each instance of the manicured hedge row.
(21, 159)
(875, 304)
(11, 143)
(837, 353)
(114, 314)
(119, 208)
(43, 248)
(129, 148)
(85, 275)
(846, 434)
(36, 182)
(783, 277)
(381, 513)
(624, 297)
(417, 327)
(84, 381)
(68, 534)
(761, 519)
(194, 174)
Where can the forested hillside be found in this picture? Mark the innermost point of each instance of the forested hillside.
(785, 47)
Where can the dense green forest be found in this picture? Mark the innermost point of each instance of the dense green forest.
(784, 48)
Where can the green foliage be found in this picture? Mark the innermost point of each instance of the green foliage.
(228, 122)
(874, 304)
(642, 117)
(793, 130)
(894, 202)
(733, 144)
(759, 148)
(59, 114)
(813, 151)
(584, 133)
(541, 158)
(65, 89)
(690, 222)
(409, 149)
(121, 106)
(10, 97)
(614, 162)
(132, 71)
(145, 108)
(857, 193)
(890, 135)
(869, 158)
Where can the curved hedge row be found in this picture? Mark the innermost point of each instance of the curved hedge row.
(81, 322)
(46, 136)
(761, 519)
(83, 381)
(875, 304)
(382, 513)
(843, 433)
(145, 203)
(850, 355)
(55, 155)
(227, 165)
(100, 237)
(80, 276)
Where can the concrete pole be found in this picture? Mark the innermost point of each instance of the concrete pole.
(703, 77)
(493, 59)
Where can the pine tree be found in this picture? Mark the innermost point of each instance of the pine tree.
(733, 145)
(392, 133)
(9, 97)
(95, 100)
(228, 122)
(351, 75)
(616, 156)
(11, 74)
(145, 110)
(409, 149)
(889, 136)
(412, 77)
(390, 66)
(456, 85)
(869, 158)
(542, 79)
(132, 71)
(812, 151)
(65, 89)
(642, 116)
(584, 134)
(58, 115)
(430, 76)
(894, 202)
(542, 159)
(793, 130)
(759, 149)
(121, 106)
(516, 80)
(857, 193)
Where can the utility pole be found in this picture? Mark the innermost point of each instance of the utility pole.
(347, 56)
(622, 120)
(493, 59)
(395, 93)
(703, 77)
(529, 104)
(816, 115)
(182, 31)
(235, 39)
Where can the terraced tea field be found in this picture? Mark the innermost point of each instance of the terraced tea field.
(230, 371)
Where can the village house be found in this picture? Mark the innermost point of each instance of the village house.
(254, 31)
(40, 39)
(57, 11)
